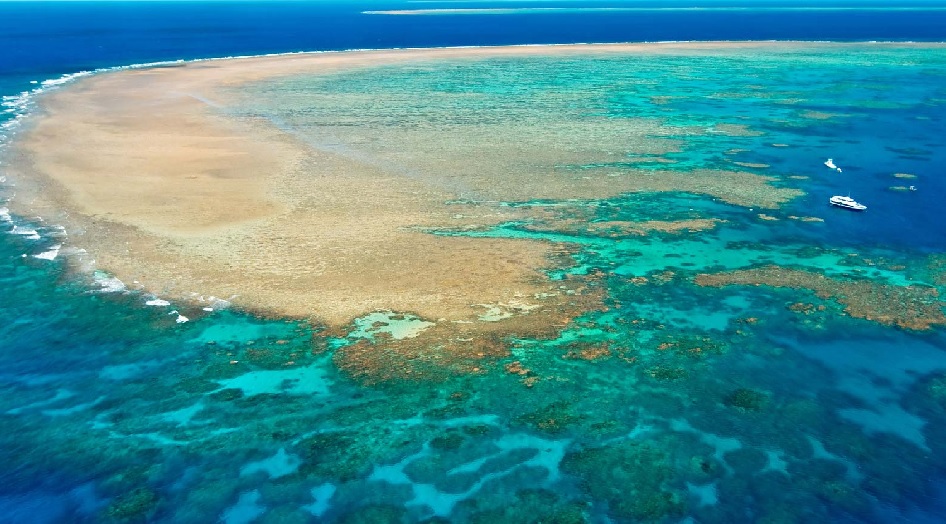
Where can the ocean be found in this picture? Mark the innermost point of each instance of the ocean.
(778, 365)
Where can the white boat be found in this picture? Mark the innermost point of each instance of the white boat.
(830, 164)
(847, 203)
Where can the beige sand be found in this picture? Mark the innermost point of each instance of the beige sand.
(153, 177)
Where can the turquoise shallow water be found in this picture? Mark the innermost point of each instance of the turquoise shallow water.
(717, 404)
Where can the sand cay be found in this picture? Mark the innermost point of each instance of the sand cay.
(165, 182)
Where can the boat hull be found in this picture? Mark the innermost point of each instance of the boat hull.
(851, 208)
(846, 203)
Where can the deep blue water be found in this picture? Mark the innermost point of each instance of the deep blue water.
(64, 351)
(42, 39)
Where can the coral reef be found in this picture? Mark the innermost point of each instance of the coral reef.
(533, 506)
(622, 228)
(553, 418)
(667, 373)
(630, 478)
(588, 352)
(135, 506)
(374, 514)
(746, 399)
(452, 349)
(340, 455)
(909, 307)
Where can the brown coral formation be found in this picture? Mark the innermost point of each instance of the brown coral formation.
(736, 130)
(590, 353)
(622, 228)
(662, 226)
(690, 346)
(554, 418)
(435, 355)
(516, 368)
(818, 115)
(805, 308)
(450, 348)
(528, 378)
(752, 165)
(734, 187)
(937, 269)
(909, 307)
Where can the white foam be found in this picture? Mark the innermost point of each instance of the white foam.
(49, 254)
(221, 304)
(58, 231)
(27, 232)
(214, 302)
(5, 214)
(20, 104)
(107, 283)
(65, 79)
(72, 251)
(157, 302)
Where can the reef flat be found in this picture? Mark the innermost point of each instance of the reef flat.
(178, 180)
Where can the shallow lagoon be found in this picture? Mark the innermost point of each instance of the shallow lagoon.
(787, 401)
